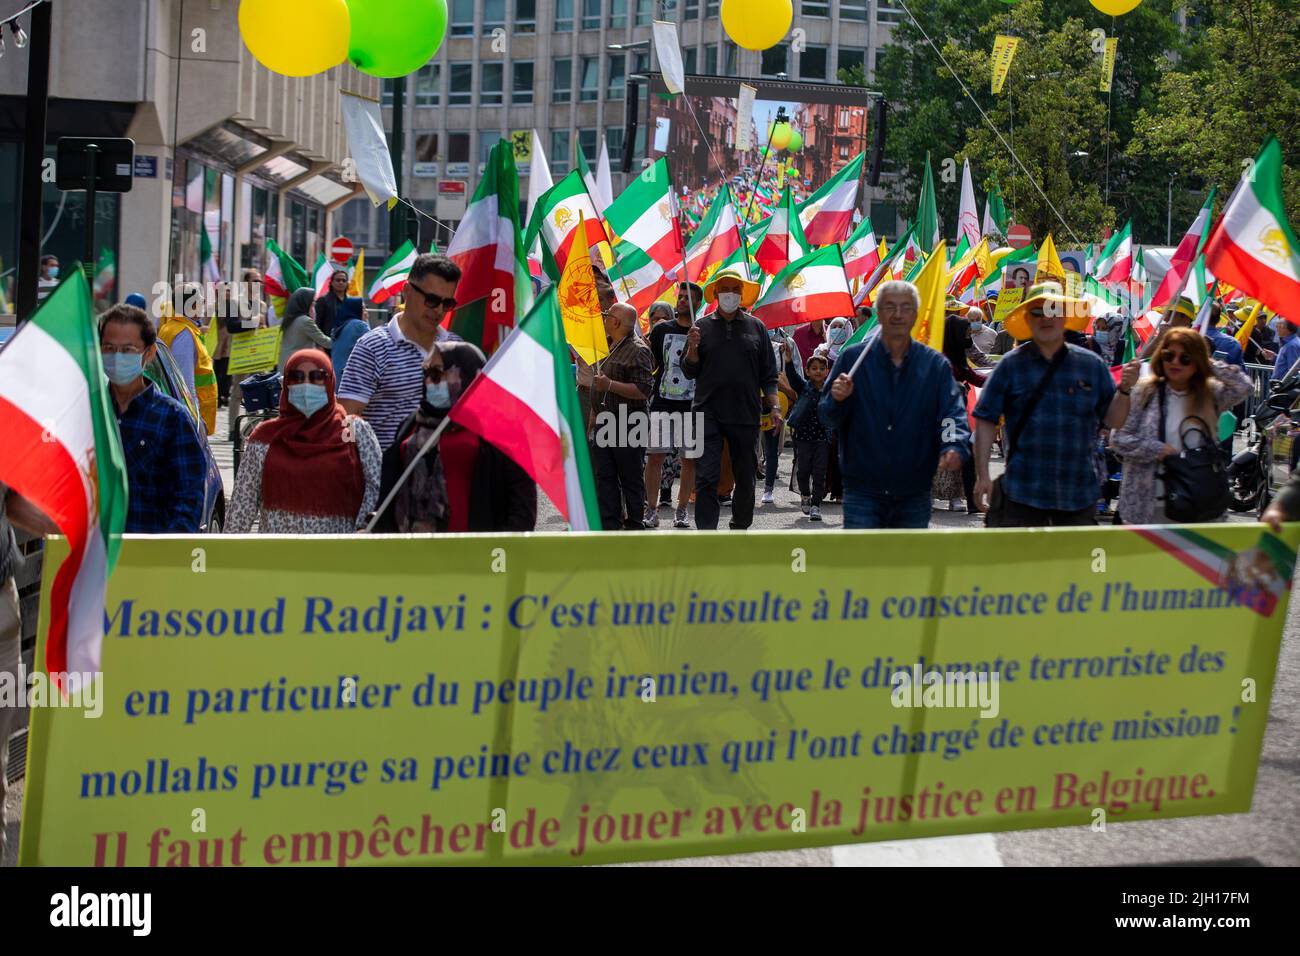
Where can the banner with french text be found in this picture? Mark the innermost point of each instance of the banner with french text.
(550, 699)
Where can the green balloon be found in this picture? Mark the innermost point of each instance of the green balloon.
(395, 37)
(796, 141)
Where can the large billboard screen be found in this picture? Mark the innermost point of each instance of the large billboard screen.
(699, 129)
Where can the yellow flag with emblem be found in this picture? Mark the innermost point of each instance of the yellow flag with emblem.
(1049, 263)
(932, 283)
(356, 285)
(579, 305)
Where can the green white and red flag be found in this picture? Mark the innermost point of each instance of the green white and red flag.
(392, 277)
(717, 237)
(784, 241)
(637, 279)
(62, 453)
(525, 403)
(1115, 265)
(646, 215)
(556, 220)
(494, 289)
(283, 276)
(1253, 247)
(827, 215)
(1184, 258)
(810, 288)
(322, 272)
(861, 251)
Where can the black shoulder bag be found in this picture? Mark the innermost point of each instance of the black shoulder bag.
(1196, 481)
(995, 517)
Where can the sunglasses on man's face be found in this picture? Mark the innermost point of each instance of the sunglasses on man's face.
(297, 377)
(1177, 358)
(433, 301)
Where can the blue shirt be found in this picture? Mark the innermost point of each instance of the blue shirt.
(165, 465)
(1287, 356)
(1221, 341)
(899, 419)
(1052, 465)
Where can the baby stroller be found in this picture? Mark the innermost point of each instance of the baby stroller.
(260, 395)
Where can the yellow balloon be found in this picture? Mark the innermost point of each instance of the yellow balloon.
(781, 135)
(296, 37)
(1115, 8)
(757, 24)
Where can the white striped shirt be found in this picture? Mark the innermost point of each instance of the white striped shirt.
(386, 372)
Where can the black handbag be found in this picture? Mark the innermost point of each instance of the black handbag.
(995, 517)
(1196, 479)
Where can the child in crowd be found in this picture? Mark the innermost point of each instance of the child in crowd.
(812, 440)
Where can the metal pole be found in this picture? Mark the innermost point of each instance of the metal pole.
(397, 228)
(29, 223)
(1169, 218)
(92, 175)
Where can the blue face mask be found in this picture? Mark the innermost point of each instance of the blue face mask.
(54, 272)
(1102, 336)
(308, 398)
(437, 395)
(123, 368)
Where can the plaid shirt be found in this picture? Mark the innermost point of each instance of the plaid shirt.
(165, 467)
(629, 361)
(1052, 465)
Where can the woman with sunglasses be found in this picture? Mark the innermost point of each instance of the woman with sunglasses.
(313, 470)
(462, 483)
(1195, 386)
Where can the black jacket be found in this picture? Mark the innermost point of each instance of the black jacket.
(502, 496)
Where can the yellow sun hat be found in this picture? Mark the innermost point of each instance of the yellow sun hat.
(1076, 311)
(748, 289)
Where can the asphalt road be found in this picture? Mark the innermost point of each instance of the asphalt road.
(1268, 835)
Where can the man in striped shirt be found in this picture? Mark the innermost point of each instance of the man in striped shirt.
(384, 378)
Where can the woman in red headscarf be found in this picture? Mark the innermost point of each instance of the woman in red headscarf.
(313, 470)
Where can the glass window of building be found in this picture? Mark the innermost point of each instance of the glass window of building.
(490, 90)
(386, 92)
(428, 90)
(458, 147)
(854, 10)
(812, 63)
(587, 142)
(559, 157)
(617, 78)
(590, 91)
(617, 14)
(644, 12)
(591, 14)
(614, 140)
(462, 18)
(885, 12)
(638, 151)
(525, 16)
(494, 14)
(691, 10)
(461, 88)
(521, 88)
(850, 58)
(884, 219)
(775, 60)
(563, 15)
(730, 57)
(689, 59)
(562, 78)
(712, 8)
(486, 140)
(815, 8)
(711, 59)
(640, 61)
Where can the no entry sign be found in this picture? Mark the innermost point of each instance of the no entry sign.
(341, 249)
(1019, 236)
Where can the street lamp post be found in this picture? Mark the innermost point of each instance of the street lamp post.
(1169, 215)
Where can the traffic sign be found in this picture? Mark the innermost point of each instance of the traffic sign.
(1019, 236)
(341, 249)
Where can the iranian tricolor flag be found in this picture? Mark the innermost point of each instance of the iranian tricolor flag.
(1254, 247)
(1115, 267)
(1184, 257)
(322, 272)
(525, 402)
(284, 276)
(646, 215)
(784, 241)
(490, 253)
(717, 237)
(63, 454)
(638, 279)
(392, 277)
(827, 216)
(811, 288)
(556, 219)
(861, 254)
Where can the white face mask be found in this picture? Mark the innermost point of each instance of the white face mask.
(728, 301)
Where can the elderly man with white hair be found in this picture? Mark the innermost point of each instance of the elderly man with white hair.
(899, 416)
(982, 335)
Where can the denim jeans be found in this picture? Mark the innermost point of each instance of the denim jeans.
(862, 509)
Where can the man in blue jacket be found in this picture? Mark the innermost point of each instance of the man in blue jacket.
(899, 417)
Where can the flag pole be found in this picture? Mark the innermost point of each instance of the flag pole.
(437, 433)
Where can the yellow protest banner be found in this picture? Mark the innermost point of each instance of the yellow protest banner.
(1008, 299)
(1004, 50)
(1108, 63)
(599, 703)
(256, 351)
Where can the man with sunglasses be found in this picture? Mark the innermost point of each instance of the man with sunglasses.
(165, 466)
(384, 378)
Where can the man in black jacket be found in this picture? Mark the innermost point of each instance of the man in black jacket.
(730, 357)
